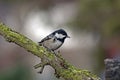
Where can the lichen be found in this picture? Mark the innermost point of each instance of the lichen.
(69, 72)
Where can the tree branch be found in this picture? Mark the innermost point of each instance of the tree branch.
(62, 67)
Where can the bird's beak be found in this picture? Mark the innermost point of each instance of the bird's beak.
(68, 36)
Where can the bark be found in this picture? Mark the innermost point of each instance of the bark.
(112, 69)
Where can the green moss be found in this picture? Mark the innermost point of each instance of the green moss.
(69, 73)
(75, 74)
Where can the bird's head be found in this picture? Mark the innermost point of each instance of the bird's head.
(61, 34)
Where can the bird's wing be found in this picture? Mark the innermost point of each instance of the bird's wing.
(46, 38)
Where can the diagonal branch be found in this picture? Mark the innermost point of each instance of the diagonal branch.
(62, 67)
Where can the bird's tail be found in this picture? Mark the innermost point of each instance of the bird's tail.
(40, 43)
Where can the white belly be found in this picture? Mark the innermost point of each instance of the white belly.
(51, 44)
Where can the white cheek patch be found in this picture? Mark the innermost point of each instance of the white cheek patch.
(59, 35)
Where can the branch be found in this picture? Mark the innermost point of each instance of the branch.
(62, 67)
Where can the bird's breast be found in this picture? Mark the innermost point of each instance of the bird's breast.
(52, 44)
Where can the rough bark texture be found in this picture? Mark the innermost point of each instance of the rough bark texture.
(112, 69)
(62, 67)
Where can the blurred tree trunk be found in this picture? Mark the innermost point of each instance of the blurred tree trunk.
(112, 69)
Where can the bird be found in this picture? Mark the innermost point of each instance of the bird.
(54, 40)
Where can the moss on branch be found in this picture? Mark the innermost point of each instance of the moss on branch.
(62, 67)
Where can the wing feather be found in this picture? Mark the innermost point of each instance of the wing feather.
(46, 38)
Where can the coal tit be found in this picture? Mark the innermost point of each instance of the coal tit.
(54, 40)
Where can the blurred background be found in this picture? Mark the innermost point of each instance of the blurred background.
(93, 25)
